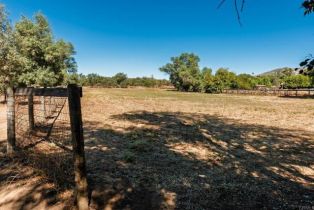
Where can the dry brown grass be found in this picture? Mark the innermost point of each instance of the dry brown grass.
(159, 149)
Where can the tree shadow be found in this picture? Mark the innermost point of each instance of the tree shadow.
(172, 160)
(40, 174)
(36, 179)
(165, 160)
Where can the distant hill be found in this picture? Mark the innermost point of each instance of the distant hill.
(278, 71)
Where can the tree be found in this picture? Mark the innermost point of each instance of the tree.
(307, 67)
(29, 55)
(184, 72)
(93, 79)
(75, 78)
(11, 61)
(225, 79)
(264, 80)
(297, 81)
(48, 61)
(207, 81)
(246, 81)
(120, 77)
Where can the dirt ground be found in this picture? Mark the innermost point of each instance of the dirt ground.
(160, 149)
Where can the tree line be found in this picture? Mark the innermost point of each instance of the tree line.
(120, 80)
(31, 56)
(186, 75)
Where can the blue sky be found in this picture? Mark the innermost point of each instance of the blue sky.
(139, 36)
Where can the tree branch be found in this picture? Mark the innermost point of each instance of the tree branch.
(237, 11)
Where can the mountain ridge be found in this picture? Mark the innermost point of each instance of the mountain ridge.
(277, 71)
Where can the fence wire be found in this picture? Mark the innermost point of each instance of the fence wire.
(51, 122)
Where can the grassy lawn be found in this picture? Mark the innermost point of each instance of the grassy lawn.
(161, 149)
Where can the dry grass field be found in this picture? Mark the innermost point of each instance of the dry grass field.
(161, 149)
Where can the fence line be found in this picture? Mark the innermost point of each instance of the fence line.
(52, 115)
(273, 92)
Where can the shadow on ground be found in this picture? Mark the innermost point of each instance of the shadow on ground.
(187, 161)
(165, 160)
(35, 180)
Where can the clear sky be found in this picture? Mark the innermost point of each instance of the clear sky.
(139, 36)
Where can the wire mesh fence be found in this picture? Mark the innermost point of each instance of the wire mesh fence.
(51, 121)
(43, 134)
(46, 125)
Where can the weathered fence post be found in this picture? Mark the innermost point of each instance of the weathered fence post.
(43, 108)
(31, 120)
(81, 191)
(10, 120)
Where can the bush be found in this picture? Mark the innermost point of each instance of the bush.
(297, 81)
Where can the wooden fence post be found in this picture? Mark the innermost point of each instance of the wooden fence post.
(10, 120)
(81, 191)
(31, 120)
(43, 108)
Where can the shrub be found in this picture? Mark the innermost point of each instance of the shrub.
(297, 81)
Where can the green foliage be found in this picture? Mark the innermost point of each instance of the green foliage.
(11, 62)
(120, 77)
(74, 78)
(297, 81)
(246, 81)
(95, 80)
(144, 82)
(99, 81)
(207, 81)
(185, 76)
(184, 72)
(30, 55)
(224, 79)
(264, 80)
(48, 60)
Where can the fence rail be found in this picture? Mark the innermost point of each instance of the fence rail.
(274, 92)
